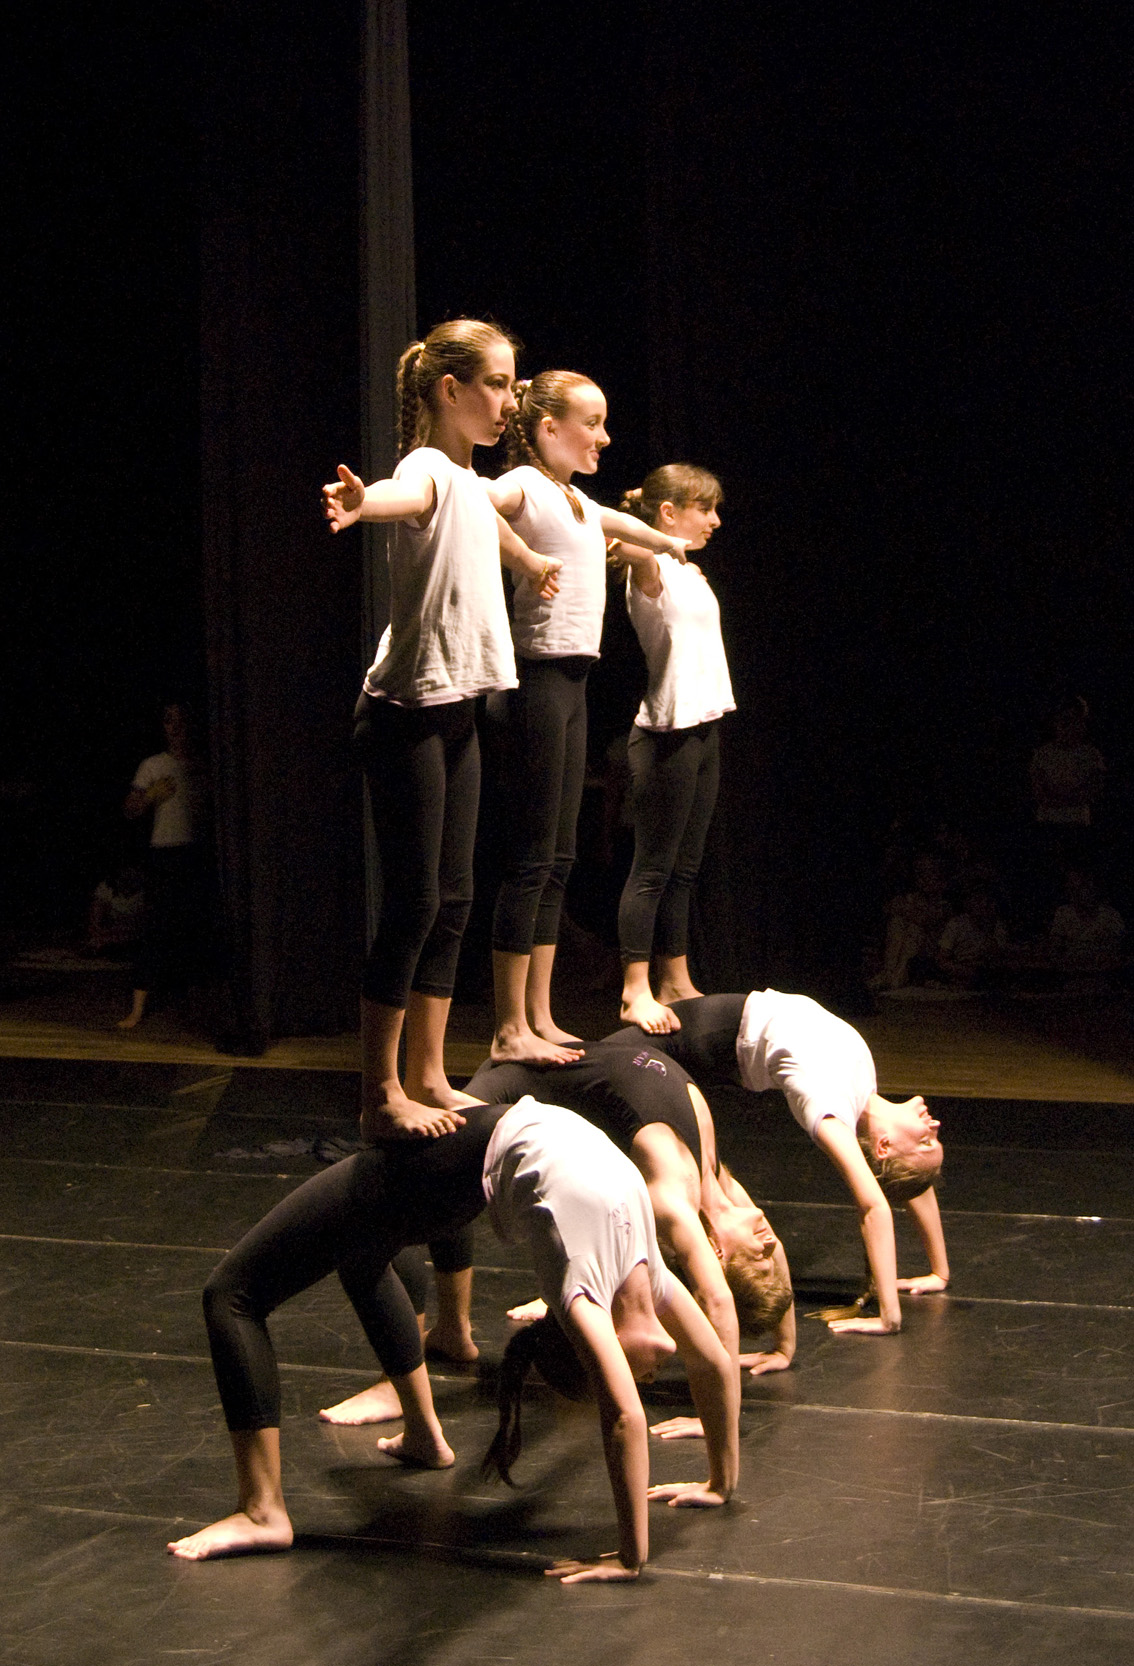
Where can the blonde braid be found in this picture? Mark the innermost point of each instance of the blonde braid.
(548, 394)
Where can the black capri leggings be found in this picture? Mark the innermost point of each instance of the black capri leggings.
(422, 766)
(352, 1219)
(543, 728)
(675, 775)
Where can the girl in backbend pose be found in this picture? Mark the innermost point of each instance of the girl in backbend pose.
(550, 1180)
(447, 642)
(886, 1153)
(556, 1182)
(558, 431)
(720, 1244)
(674, 747)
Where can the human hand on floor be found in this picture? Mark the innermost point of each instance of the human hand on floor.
(679, 1428)
(607, 1569)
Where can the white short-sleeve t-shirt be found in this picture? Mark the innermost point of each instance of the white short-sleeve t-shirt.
(179, 819)
(557, 1184)
(819, 1063)
(571, 622)
(680, 634)
(448, 637)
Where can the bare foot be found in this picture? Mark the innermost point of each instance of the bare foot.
(236, 1535)
(528, 1312)
(649, 1015)
(441, 1097)
(512, 1043)
(406, 1119)
(547, 1030)
(435, 1454)
(129, 1022)
(455, 1345)
(378, 1404)
(668, 992)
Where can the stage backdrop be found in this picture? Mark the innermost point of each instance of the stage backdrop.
(289, 222)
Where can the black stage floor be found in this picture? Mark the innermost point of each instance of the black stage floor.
(960, 1493)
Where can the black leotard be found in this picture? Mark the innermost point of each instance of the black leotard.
(705, 1045)
(619, 1088)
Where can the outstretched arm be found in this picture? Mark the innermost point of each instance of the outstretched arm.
(624, 1440)
(715, 1386)
(686, 1246)
(644, 569)
(347, 500)
(876, 1222)
(927, 1219)
(630, 530)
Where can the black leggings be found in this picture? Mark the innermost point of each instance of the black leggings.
(675, 775)
(544, 729)
(351, 1219)
(422, 766)
(704, 1046)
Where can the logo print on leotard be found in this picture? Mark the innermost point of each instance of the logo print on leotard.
(646, 1061)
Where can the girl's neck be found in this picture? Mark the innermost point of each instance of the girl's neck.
(446, 437)
(558, 471)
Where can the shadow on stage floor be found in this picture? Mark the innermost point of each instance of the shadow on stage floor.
(957, 1494)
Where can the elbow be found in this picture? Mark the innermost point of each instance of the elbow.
(630, 1426)
(877, 1216)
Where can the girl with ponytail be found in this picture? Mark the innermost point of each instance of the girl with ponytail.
(551, 1181)
(558, 430)
(615, 1315)
(446, 643)
(674, 749)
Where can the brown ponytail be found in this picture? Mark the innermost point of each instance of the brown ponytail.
(548, 394)
(546, 1347)
(409, 400)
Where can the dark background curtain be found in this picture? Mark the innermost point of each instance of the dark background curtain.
(280, 325)
(886, 305)
(868, 272)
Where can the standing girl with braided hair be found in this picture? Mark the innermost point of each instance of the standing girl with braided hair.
(674, 749)
(558, 430)
(446, 643)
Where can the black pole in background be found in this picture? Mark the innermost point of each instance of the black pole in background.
(388, 310)
(280, 312)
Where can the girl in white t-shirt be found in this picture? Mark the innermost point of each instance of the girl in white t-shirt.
(615, 1314)
(887, 1153)
(558, 431)
(674, 749)
(446, 643)
(550, 1181)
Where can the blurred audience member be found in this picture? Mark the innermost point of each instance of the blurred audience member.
(172, 786)
(1067, 771)
(914, 923)
(974, 945)
(1086, 933)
